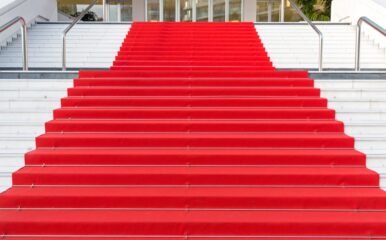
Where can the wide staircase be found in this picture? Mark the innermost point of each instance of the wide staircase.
(193, 133)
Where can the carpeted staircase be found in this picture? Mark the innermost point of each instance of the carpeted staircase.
(193, 134)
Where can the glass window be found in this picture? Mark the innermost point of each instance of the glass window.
(169, 10)
(218, 10)
(268, 10)
(68, 10)
(202, 10)
(186, 10)
(153, 10)
(120, 10)
(235, 10)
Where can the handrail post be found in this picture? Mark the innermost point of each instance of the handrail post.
(372, 24)
(64, 52)
(24, 39)
(64, 36)
(320, 34)
(320, 52)
(358, 46)
(282, 11)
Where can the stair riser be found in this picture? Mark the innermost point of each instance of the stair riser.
(360, 116)
(31, 94)
(280, 179)
(179, 227)
(12, 130)
(351, 84)
(17, 143)
(231, 73)
(363, 129)
(191, 127)
(219, 140)
(27, 116)
(193, 83)
(354, 94)
(14, 105)
(187, 114)
(370, 143)
(368, 105)
(193, 157)
(220, 102)
(291, 92)
(190, 199)
(183, 64)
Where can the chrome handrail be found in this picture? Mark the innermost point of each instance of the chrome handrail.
(372, 24)
(42, 17)
(65, 32)
(320, 34)
(23, 37)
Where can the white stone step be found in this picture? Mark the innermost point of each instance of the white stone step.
(301, 47)
(31, 94)
(354, 93)
(365, 127)
(360, 115)
(16, 127)
(370, 142)
(88, 46)
(357, 104)
(35, 84)
(351, 84)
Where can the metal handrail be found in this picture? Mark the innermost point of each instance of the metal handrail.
(372, 24)
(320, 34)
(23, 37)
(65, 32)
(42, 17)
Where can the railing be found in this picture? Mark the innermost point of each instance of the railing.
(23, 37)
(67, 30)
(372, 24)
(43, 18)
(320, 34)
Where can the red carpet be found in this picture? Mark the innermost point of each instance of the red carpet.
(193, 134)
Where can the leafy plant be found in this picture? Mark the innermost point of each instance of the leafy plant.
(313, 13)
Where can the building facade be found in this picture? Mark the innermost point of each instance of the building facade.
(183, 10)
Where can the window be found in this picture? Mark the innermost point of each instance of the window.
(153, 13)
(218, 10)
(186, 10)
(202, 7)
(120, 10)
(169, 10)
(235, 8)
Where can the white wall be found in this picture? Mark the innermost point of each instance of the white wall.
(354, 9)
(28, 9)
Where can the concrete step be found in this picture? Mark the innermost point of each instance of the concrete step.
(360, 115)
(348, 84)
(13, 95)
(356, 104)
(365, 127)
(35, 84)
(15, 128)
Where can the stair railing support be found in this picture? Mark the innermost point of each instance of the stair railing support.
(282, 11)
(24, 38)
(316, 29)
(67, 30)
(372, 24)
